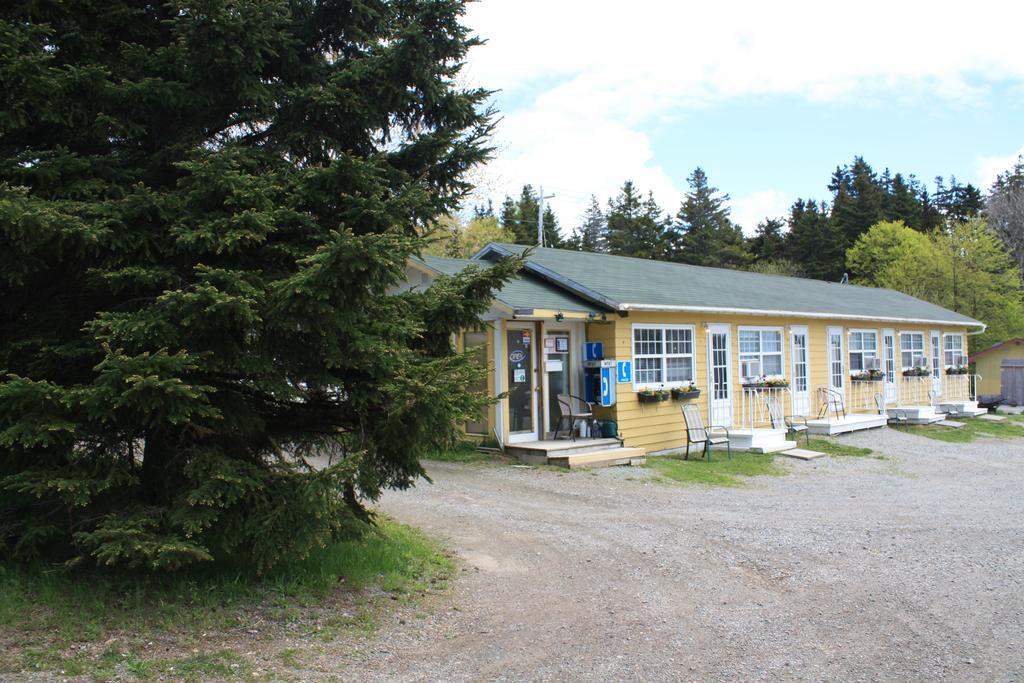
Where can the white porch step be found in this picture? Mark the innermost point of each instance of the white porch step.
(538, 452)
(918, 415)
(961, 408)
(608, 458)
(759, 440)
(850, 423)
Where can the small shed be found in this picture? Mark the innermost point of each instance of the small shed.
(1001, 367)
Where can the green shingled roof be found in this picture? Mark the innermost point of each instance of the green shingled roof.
(624, 283)
(525, 291)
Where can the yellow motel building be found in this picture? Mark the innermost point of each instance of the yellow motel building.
(640, 339)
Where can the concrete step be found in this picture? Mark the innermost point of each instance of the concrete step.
(802, 454)
(605, 458)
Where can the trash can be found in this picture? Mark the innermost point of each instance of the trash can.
(609, 429)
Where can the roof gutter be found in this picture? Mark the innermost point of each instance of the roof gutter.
(798, 314)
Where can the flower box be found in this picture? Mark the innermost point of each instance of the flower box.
(685, 394)
(760, 386)
(869, 376)
(917, 372)
(963, 370)
(652, 396)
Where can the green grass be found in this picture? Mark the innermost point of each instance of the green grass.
(842, 450)
(464, 452)
(46, 615)
(1011, 428)
(721, 471)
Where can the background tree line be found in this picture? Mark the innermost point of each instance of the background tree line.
(954, 245)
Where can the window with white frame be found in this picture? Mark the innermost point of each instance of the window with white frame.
(760, 352)
(954, 350)
(863, 346)
(662, 354)
(911, 348)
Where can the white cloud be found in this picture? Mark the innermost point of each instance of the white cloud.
(753, 208)
(990, 167)
(593, 74)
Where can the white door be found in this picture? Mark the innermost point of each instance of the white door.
(936, 363)
(889, 364)
(521, 380)
(836, 360)
(719, 376)
(801, 371)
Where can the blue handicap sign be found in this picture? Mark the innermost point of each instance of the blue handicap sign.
(624, 371)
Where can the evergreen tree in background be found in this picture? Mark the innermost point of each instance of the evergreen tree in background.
(815, 242)
(1004, 209)
(520, 218)
(705, 235)
(958, 203)
(769, 241)
(635, 227)
(857, 200)
(592, 234)
(203, 211)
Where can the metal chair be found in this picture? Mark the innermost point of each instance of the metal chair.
(830, 399)
(574, 409)
(793, 423)
(696, 432)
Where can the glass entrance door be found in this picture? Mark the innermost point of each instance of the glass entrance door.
(558, 369)
(520, 353)
(889, 364)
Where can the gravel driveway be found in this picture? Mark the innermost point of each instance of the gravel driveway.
(848, 569)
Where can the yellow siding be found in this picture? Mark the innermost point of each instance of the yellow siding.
(987, 366)
(659, 426)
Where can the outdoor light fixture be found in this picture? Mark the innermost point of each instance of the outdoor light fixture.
(559, 317)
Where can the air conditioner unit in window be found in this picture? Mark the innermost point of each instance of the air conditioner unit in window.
(920, 362)
(750, 369)
(872, 364)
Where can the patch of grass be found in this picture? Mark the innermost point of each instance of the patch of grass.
(1011, 428)
(842, 450)
(721, 471)
(44, 612)
(464, 452)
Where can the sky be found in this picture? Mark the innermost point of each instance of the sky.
(768, 98)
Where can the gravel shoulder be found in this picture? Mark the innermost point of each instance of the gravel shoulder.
(910, 567)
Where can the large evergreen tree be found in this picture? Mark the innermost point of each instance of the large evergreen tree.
(593, 232)
(814, 242)
(706, 235)
(202, 210)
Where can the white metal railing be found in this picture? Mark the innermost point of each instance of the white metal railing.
(914, 391)
(753, 407)
(959, 387)
(862, 396)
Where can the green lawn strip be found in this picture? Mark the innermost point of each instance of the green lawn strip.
(721, 471)
(47, 615)
(842, 450)
(1011, 428)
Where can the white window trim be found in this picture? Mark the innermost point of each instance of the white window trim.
(637, 386)
(740, 329)
(963, 344)
(924, 347)
(850, 351)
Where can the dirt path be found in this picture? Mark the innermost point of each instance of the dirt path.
(909, 568)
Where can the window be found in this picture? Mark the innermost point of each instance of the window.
(662, 354)
(863, 347)
(760, 352)
(954, 350)
(911, 349)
